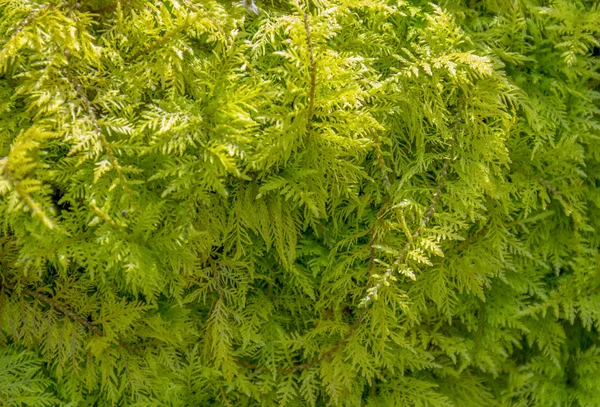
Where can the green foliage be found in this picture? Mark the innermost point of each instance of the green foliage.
(21, 380)
(334, 203)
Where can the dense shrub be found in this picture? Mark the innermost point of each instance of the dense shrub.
(340, 202)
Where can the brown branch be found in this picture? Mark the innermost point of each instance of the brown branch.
(248, 365)
(313, 74)
(65, 310)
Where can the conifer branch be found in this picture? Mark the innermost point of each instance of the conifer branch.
(331, 351)
(370, 232)
(31, 204)
(381, 162)
(105, 144)
(216, 276)
(64, 310)
(539, 179)
(105, 217)
(30, 18)
(33, 15)
(468, 241)
(480, 326)
(482, 232)
(25, 196)
(227, 403)
(108, 7)
(476, 236)
(372, 291)
(313, 74)
(425, 220)
(323, 357)
(434, 200)
(165, 38)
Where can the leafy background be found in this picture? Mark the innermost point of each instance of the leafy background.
(348, 202)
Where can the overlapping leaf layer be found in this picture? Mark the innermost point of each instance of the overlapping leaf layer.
(332, 203)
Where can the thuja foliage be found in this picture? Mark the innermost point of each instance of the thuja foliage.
(332, 203)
